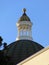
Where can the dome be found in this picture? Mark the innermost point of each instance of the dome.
(22, 49)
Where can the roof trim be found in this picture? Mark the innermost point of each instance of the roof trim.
(43, 50)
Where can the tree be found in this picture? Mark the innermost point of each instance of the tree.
(4, 59)
(5, 45)
(1, 41)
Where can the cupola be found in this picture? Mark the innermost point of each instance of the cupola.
(24, 25)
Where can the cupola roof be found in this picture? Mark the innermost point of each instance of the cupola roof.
(24, 16)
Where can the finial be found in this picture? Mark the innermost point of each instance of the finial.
(24, 10)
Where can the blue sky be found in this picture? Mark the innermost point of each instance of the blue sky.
(37, 10)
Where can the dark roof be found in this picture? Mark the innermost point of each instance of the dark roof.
(20, 50)
(24, 17)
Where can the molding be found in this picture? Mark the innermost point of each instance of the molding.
(24, 37)
(24, 22)
(36, 54)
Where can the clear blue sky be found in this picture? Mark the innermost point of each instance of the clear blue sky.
(37, 10)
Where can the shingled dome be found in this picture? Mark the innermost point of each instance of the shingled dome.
(22, 49)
